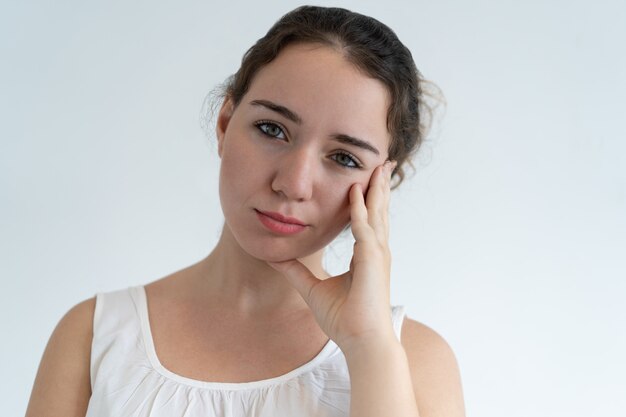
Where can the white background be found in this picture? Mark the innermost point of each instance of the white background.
(510, 240)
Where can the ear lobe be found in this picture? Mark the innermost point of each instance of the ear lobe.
(223, 118)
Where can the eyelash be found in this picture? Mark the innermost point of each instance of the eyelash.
(353, 159)
(357, 164)
(268, 123)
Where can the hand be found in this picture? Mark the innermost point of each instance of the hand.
(354, 307)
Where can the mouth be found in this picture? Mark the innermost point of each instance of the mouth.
(280, 224)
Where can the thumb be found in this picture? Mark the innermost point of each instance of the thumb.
(298, 276)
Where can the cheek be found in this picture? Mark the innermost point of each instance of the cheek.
(341, 198)
(234, 184)
(240, 157)
(229, 180)
(344, 210)
(336, 200)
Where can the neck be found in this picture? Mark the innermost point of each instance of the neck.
(233, 278)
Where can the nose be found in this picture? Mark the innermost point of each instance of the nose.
(295, 174)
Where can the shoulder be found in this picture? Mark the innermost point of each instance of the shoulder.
(62, 386)
(434, 371)
(423, 342)
(79, 317)
(76, 327)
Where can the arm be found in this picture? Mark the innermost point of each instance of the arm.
(393, 379)
(388, 378)
(380, 380)
(62, 386)
(434, 371)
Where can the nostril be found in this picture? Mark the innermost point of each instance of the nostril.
(294, 179)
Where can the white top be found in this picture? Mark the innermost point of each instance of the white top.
(127, 378)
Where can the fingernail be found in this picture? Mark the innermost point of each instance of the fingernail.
(390, 166)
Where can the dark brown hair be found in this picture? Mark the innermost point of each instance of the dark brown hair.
(369, 45)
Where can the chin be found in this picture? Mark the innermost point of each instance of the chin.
(276, 249)
(278, 252)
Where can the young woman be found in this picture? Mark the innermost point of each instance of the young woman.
(324, 112)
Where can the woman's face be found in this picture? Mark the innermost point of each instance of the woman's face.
(310, 126)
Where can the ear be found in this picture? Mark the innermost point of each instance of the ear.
(223, 118)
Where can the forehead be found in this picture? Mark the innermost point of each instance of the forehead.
(325, 90)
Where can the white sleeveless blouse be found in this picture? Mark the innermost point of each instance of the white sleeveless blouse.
(127, 379)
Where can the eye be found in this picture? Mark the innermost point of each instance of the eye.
(270, 129)
(346, 160)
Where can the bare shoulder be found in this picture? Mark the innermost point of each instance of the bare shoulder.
(62, 386)
(434, 371)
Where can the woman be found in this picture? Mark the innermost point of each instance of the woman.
(323, 113)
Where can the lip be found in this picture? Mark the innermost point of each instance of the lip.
(280, 224)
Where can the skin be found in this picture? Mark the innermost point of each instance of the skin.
(297, 173)
(259, 293)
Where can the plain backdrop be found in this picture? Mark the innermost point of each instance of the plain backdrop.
(509, 240)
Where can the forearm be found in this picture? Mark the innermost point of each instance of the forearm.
(380, 381)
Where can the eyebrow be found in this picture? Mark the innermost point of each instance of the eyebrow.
(349, 140)
(278, 109)
(284, 111)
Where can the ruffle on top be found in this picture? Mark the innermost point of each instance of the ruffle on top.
(128, 380)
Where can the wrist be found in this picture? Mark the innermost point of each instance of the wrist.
(372, 347)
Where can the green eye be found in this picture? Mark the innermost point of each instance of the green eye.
(271, 129)
(346, 160)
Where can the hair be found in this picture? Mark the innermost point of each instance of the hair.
(372, 47)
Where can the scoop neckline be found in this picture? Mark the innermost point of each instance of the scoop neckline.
(142, 300)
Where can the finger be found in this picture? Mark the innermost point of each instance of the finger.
(378, 200)
(298, 276)
(358, 214)
(387, 195)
